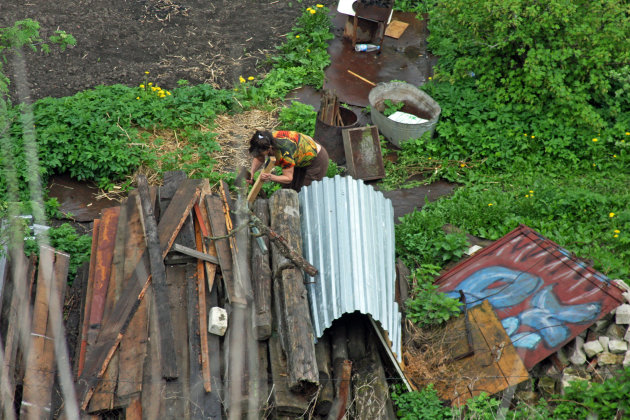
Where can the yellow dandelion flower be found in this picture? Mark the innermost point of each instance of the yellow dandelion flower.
(489, 204)
(146, 72)
(627, 133)
(526, 195)
(308, 50)
(168, 93)
(430, 78)
(235, 89)
(614, 156)
(615, 236)
(141, 86)
(319, 5)
(525, 134)
(462, 165)
(309, 9)
(595, 140)
(150, 83)
(241, 79)
(313, 11)
(297, 36)
(137, 97)
(533, 136)
(531, 191)
(617, 231)
(611, 214)
(250, 78)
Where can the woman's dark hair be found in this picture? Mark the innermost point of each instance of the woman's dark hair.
(260, 142)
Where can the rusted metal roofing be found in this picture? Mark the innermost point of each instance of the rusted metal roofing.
(348, 234)
(543, 295)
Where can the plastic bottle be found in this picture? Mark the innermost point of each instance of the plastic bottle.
(367, 47)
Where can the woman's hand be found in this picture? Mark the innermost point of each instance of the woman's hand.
(265, 176)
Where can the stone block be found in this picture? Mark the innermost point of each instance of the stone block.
(623, 314)
(626, 359)
(600, 325)
(576, 351)
(627, 335)
(626, 296)
(604, 342)
(622, 284)
(617, 346)
(217, 321)
(607, 358)
(615, 331)
(593, 348)
(547, 385)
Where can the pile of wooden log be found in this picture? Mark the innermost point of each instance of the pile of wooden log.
(160, 262)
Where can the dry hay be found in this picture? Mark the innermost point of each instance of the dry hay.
(233, 134)
(428, 354)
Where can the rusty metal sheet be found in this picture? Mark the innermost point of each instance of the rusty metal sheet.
(363, 153)
(543, 295)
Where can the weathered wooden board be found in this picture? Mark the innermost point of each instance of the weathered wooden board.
(261, 277)
(96, 227)
(287, 403)
(103, 398)
(102, 269)
(202, 324)
(135, 288)
(133, 344)
(214, 207)
(158, 280)
(493, 367)
(186, 236)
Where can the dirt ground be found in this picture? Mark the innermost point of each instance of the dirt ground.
(201, 41)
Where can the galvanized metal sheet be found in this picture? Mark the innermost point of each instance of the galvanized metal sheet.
(543, 295)
(348, 234)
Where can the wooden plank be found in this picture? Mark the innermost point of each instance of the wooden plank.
(152, 398)
(364, 158)
(215, 411)
(286, 402)
(224, 253)
(201, 214)
(241, 291)
(186, 236)
(133, 346)
(103, 398)
(177, 391)
(40, 361)
(395, 29)
(200, 255)
(133, 411)
(96, 227)
(253, 193)
(102, 269)
(158, 279)
(201, 310)
(135, 288)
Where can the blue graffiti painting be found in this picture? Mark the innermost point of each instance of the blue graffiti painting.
(504, 288)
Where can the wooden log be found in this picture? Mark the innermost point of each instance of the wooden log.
(253, 193)
(104, 393)
(151, 397)
(264, 398)
(284, 215)
(287, 403)
(298, 332)
(402, 283)
(133, 346)
(102, 269)
(341, 403)
(40, 360)
(19, 320)
(214, 352)
(135, 288)
(261, 278)
(369, 386)
(158, 279)
(186, 236)
(325, 396)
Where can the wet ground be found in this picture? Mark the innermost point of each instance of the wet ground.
(404, 59)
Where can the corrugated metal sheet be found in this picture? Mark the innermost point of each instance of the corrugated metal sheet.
(348, 234)
(542, 294)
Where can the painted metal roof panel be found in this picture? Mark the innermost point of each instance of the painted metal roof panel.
(348, 234)
(543, 295)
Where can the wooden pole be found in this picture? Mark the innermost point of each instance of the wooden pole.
(258, 184)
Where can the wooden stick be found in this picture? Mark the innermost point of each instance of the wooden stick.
(284, 249)
(196, 254)
(258, 184)
(201, 290)
(362, 78)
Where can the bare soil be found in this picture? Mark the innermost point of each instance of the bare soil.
(200, 41)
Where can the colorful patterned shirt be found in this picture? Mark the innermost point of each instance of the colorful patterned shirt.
(294, 149)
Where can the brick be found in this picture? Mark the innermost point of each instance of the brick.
(604, 342)
(607, 358)
(615, 331)
(217, 321)
(576, 351)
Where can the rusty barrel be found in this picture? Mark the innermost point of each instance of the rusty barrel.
(330, 136)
